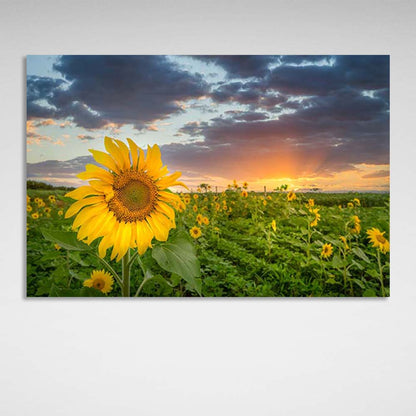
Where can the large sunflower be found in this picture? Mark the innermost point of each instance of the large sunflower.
(378, 240)
(127, 205)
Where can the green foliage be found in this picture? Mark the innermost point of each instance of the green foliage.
(238, 253)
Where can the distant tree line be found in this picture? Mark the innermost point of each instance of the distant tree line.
(43, 185)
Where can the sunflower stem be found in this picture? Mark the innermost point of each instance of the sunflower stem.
(383, 292)
(125, 289)
(111, 270)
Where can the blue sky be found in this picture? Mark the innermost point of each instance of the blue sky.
(303, 120)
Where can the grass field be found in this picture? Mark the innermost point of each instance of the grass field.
(247, 244)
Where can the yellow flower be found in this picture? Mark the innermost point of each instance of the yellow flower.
(350, 205)
(199, 190)
(244, 194)
(379, 241)
(205, 220)
(40, 203)
(195, 232)
(187, 199)
(291, 196)
(269, 197)
(245, 185)
(326, 250)
(60, 213)
(127, 205)
(356, 228)
(57, 246)
(199, 218)
(101, 280)
(317, 218)
(273, 224)
(47, 210)
(195, 208)
(356, 202)
(52, 198)
(29, 208)
(27, 199)
(264, 203)
(195, 196)
(344, 240)
(35, 215)
(217, 206)
(311, 202)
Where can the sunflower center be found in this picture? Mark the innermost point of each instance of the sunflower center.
(380, 238)
(135, 196)
(98, 284)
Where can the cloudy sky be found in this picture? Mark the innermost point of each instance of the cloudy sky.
(307, 121)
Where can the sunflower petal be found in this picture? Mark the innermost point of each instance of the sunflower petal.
(82, 192)
(125, 154)
(95, 172)
(76, 206)
(104, 159)
(114, 151)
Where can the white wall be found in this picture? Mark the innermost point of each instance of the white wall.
(204, 357)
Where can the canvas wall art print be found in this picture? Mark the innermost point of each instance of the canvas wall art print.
(208, 176)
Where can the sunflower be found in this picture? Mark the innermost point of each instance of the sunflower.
(199, 219)
(245, 185)
(317, 218)
(47, 210)
(350, 205)
(57, 247)
(356, 228)
(195, 208)
(195, 196)
(29, 208)
(195, 232)
(60, 213)
(127, 205)
(311, 202)
(344, 241)
(273, 225)
(326, 250)
(205, 220)
(291, 196)
(379, 241)
(244, 194)
(52, 198)
(101, 280)
(357, 202)
(35, 215)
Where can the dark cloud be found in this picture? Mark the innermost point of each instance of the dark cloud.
(117, 89)
(242, 66)
(85, 137)
(246, 115)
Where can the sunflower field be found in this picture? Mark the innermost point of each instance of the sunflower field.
(128, 235)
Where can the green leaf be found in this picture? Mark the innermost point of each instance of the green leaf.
(178, 256)
(369, 293)
(358, 252)
(337, 261)
(74, 293)
(67, 240)
(359, 283)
